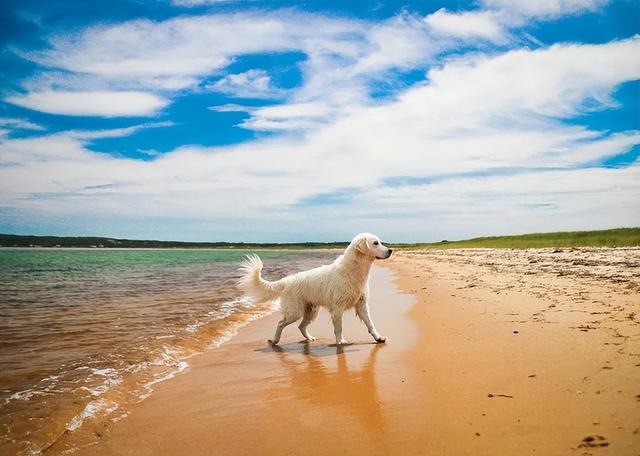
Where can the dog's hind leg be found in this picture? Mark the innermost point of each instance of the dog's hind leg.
(286, 321)
(310, 314)
(292, 311)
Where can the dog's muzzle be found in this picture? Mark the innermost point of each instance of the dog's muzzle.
(385, 257)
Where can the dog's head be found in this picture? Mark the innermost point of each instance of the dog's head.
(369, 245)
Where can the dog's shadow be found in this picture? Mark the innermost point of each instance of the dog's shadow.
(318, 381)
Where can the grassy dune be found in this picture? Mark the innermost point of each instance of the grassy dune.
(619, 237)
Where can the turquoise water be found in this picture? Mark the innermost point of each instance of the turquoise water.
(85, 332)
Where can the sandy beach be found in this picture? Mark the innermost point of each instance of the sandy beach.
(489, 352)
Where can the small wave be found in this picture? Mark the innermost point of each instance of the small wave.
(182, 365)
(26, 395)
(235, 327)
(225, 310)
(109, 390)
(111, 377)
(171, 356)
(48, 389)
(90, 410)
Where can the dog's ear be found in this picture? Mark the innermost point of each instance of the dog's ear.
(362, 245)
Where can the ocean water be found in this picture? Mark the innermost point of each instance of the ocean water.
(88, 332)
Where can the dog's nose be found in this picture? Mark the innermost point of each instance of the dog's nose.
(390, 251)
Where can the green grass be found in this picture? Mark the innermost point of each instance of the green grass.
(619, 237)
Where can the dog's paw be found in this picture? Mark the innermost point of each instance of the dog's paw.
(272, 342)
(311, 338)
(381, 340)
(342, 342)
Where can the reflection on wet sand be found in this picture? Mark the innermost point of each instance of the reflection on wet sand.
(341, 378)
(300, 398)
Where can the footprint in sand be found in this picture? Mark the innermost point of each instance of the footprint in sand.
(594, 441)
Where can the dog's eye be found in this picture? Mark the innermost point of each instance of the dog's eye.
(375, 242)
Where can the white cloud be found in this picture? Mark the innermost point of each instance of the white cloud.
(344, 59)
(553, 82)
(401, 42)
(480, 24)
(343, 56)
(460, 207)
(19, 124)
(192, 3)
(292, 116)
(64, 146)
(249, 84)
(544, 8)
(103, 103)
(115, 132)
(475, 115)
(178, 52)
(231, 107)
(494, 20)
(471, 120)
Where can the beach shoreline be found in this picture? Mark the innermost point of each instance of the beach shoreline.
(489, 352)
(86, 334)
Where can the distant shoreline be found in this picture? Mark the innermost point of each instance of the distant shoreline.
(91, 242)
(617, 237)
(204, 249)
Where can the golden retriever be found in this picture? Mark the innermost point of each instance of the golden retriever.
(339, 286)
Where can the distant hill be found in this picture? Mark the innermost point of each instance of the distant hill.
(619, 237)
(12, 240)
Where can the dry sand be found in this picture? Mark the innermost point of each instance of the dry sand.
(490, 352)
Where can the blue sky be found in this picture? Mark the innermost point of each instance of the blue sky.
(293, 121)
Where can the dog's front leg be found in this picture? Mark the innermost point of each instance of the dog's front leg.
(362, 310)
(336, 317)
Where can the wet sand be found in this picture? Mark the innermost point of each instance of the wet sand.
(489, 352)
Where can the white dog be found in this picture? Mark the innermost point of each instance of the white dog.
(339, 286)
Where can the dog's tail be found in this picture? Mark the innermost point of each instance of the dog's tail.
(253, 284)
